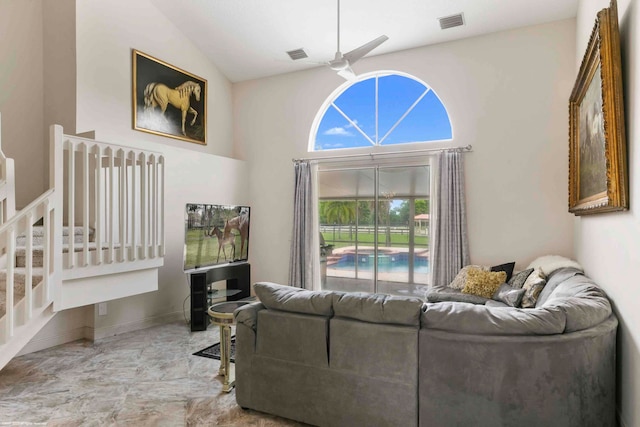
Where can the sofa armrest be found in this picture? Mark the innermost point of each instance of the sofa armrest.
(248, 314)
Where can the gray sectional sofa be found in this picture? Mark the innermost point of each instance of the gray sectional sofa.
(350, 359)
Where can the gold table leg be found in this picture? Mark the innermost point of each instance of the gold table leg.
(223, 352)
(225, 358)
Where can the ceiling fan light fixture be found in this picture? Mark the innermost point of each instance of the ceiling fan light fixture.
(451, 21)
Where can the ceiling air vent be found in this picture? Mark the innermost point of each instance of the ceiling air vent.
(451, 21)
(297, 54)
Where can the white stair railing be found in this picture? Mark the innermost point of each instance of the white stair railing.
(113, 193)
(112, 199)
(40, 210)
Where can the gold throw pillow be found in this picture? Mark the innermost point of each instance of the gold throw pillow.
(483, 283)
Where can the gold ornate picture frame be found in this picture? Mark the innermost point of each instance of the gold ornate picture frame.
(598, 176)
(167, 100)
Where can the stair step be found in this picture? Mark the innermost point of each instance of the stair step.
(19, 280)
(37, 253)
(38, 235)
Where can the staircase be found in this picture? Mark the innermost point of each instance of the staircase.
(113, 196)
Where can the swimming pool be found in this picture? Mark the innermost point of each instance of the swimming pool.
(387, 263)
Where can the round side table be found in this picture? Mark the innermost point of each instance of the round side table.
(222, 315)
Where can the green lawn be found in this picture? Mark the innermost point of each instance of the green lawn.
(343, 239)
(203, 250)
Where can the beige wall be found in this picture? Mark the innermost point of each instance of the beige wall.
(506, 94)
(608, 245)
(69, 62)
(106, 32)
(21, 94)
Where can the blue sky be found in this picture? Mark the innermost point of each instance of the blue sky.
(427, 121)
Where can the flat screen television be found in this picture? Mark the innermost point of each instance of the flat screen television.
(215, 234)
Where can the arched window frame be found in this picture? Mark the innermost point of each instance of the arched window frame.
(330, 101)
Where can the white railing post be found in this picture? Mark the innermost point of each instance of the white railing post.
(99, 204)
(122, 192)
(112, 234)
(53, 219)
(9, 311)
(134, 218)
(8, 193)
(71, 203)
(28, 268)
(143, 204)
(86, 202)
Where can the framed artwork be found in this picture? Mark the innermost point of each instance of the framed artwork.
(167, 100)
(598, 176)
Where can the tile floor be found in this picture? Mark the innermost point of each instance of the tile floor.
(142, 378)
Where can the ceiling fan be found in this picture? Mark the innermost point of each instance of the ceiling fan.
(342, 63)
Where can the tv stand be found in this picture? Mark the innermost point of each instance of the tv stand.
(238, 277)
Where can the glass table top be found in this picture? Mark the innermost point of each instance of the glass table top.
(223, 293)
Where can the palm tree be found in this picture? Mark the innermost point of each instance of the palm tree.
(338, 212)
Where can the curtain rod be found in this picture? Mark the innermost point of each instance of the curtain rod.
(384, 154)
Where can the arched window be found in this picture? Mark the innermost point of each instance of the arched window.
(381, 108)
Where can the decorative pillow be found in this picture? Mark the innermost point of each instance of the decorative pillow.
(509, 295)
(532, 288)
(507, 268)
(483, 283)
(550, 263)
(461, 278)
(518, 279)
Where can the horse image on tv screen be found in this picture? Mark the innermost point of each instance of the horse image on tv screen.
(215, 234)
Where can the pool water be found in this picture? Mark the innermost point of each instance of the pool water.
(396, 263)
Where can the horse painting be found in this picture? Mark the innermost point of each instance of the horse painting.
(160, 95)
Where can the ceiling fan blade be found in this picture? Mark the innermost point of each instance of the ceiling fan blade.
(361, 51)
(347, 73)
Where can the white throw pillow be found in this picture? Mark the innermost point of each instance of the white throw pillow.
(550, 263)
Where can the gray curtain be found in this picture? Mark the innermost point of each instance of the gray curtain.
(451, 246)
(301, 261)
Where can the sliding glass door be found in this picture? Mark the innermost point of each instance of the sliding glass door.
(374, 222)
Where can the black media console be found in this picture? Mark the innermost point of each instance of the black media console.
(238, 277)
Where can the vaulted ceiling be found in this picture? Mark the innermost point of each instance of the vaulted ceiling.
(248, 39)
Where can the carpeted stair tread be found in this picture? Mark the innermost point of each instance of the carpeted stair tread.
(38, 230)
(18, 286)
(38, 235)
(38, 252)
(19, 279)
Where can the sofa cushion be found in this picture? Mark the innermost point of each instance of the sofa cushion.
(296, 300)
(518, 279)
(583, 302)
(532, 288)
(483, 320)
(554, 279)
(435, 294)
(483, 283)
(509, 295)
(379, 308)
(295, 337)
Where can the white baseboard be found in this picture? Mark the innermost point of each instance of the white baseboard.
(108, 331)
(38, 344)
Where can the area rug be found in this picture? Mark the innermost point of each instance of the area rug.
(213, 352)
